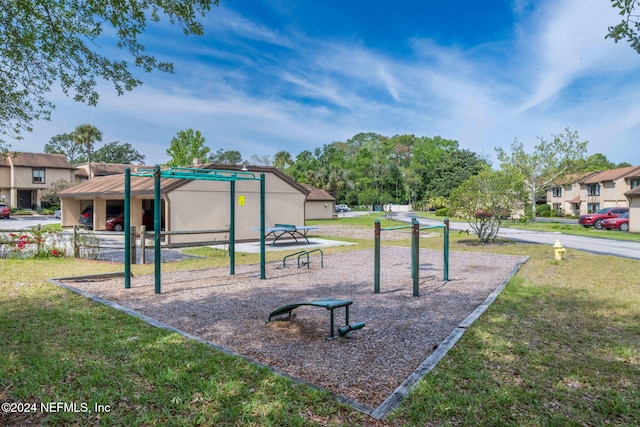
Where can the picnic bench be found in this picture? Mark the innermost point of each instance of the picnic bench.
(295, 231)
(329, 304)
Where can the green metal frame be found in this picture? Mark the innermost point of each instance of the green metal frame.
(415, 252)
(330, 305)
(195, 174)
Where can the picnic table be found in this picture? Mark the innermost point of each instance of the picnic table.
(295, 231)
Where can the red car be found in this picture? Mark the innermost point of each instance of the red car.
(116, 223)
(620, 223)
(595, 219)
(5, 212)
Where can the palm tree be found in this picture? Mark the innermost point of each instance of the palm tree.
(282, 159)
(86, 135)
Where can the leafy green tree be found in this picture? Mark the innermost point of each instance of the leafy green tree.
(547, 161)
(486, 199)
(228, 157)
(629, 27)
(86, 135)
(303, 165)
(64, 144)
(453, 168)
(426, 156)
(114, 152)
(595, 162)
(187, 146)
(45, 43)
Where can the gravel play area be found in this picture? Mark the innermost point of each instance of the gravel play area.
(367, 365)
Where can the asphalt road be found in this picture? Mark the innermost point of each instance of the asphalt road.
(597, 245)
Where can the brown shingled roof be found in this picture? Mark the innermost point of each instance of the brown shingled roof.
(44, 160)
(612, 175)
(572, 178)
(316, 194)
(114, 185)
(635, 192)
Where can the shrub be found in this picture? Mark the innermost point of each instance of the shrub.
(442, 212)
(543, 210)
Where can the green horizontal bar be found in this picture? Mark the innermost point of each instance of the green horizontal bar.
(432, 226)
(200, 174)
(397, 228)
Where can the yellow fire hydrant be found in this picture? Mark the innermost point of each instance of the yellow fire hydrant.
(559, 250)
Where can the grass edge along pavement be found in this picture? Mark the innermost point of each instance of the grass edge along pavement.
(559, 346)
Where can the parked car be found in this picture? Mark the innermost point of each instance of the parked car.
(620, 223)
(116, 223)
(595, 219)
(5, 212)
(342, 208)
(86, 216)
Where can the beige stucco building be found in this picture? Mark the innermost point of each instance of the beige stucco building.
(23, 177)
(587, 193)
(319, 204)
(191, 205)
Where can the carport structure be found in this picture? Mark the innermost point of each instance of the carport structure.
(192, 174)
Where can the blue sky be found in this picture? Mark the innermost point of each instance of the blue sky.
(295, 75)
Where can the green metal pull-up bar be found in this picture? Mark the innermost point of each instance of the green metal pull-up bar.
(196, 174)
(415, 252)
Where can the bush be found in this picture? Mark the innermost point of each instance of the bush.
(543, 210)
(442, 212)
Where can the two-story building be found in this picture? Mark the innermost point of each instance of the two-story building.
(564, 196)
(23, 176)
(586, 193)
(607, 189)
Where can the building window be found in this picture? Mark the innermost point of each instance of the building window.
(593, 189)
(557, 191)
(38, 176)
(593, 207)
(635, 182)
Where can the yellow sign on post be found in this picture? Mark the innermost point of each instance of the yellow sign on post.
(241, 200)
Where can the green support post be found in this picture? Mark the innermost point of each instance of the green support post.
(156, 226)
(232, 229)
(262, 228)
(127, 224)
(415, 252)
(376, 258)
(446, 250)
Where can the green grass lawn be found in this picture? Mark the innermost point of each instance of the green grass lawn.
(560, 346)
